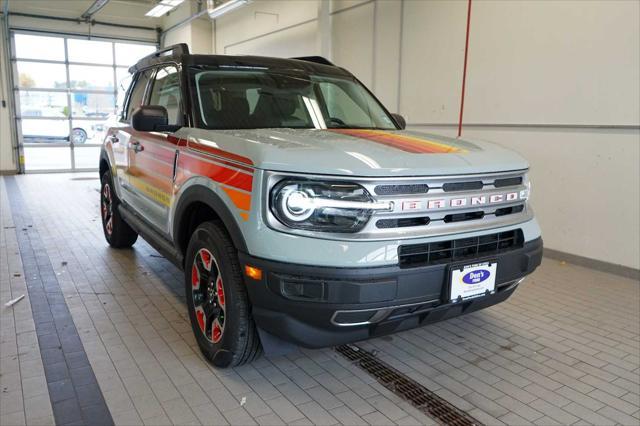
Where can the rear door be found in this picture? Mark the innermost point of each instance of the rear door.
(152, 154)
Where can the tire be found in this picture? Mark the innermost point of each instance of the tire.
(218, 303)
(78, 136)
(117, 232)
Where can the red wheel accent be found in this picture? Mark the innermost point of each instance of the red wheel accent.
(195, 277)
(216, 333)
(201, 318)
(220, 291)
(206, 258)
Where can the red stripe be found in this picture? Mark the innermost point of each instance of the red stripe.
(464, 70)
(218, 173)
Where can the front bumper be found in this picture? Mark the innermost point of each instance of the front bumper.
(321, 306)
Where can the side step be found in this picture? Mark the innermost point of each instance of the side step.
(153, 237)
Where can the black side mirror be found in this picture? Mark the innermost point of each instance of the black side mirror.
(400, 121)
(151, 118)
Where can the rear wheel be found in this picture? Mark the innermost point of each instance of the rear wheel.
(218, 303)
(117, 232)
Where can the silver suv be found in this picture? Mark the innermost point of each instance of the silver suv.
(300, 209)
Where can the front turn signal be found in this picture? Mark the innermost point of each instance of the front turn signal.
(253, 272)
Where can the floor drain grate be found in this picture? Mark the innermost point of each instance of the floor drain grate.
(419, 396)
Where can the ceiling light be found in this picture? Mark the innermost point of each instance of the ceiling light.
(163, 7)
(225, 7)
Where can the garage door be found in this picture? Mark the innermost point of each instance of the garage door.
(66, 88)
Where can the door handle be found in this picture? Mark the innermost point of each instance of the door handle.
(114, 139)
(137, 147)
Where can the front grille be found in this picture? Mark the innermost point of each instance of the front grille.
(414, 255)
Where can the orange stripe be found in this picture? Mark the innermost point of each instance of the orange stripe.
(240, 199)
(403, 142)
(219, 173)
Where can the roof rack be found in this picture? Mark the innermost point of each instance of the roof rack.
(315, 59)
(173, 50)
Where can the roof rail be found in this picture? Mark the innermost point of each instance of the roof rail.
(173, 50)
(315, 59)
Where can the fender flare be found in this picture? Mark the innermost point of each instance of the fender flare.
(202, 194)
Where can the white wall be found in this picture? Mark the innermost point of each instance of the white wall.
(269, 28)
(549, 68)
(196, 33)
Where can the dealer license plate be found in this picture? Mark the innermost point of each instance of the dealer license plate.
(475, 280)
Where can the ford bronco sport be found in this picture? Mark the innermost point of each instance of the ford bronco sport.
(300, 209)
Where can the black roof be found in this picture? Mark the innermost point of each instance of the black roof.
(179, 53)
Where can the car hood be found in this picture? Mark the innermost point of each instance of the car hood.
(359, 152)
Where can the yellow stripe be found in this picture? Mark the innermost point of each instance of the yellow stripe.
(150, 190)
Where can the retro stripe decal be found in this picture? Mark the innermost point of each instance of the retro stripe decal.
(405, 143)
(219, 173)
(242, 200)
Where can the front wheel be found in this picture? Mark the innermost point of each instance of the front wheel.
(218, 303)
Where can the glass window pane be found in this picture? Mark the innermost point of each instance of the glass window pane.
(88, 77)
(123, 81)
(87, 157)
(43, 104)
(128, 54)
(90, 51)
(39, 47)
(44, 130)
(92, 105)
(137, 95)
(88, 131)
(47, 158)
(166, 92)
(41, 75)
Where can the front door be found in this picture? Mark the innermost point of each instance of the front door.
(152, 154)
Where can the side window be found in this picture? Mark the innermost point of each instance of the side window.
(166, 92)
(137, 93)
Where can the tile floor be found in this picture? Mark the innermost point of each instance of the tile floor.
(564, 350)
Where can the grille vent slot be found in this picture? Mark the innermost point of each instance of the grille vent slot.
(514, 181)
(402, 223)
(462, 186)
(418, 188)
(509, 210)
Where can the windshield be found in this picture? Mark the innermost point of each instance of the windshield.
(254, 99)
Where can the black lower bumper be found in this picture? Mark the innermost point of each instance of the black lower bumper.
(322, 306)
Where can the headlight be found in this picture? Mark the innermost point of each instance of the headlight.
(323, 206)
(525, 194)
